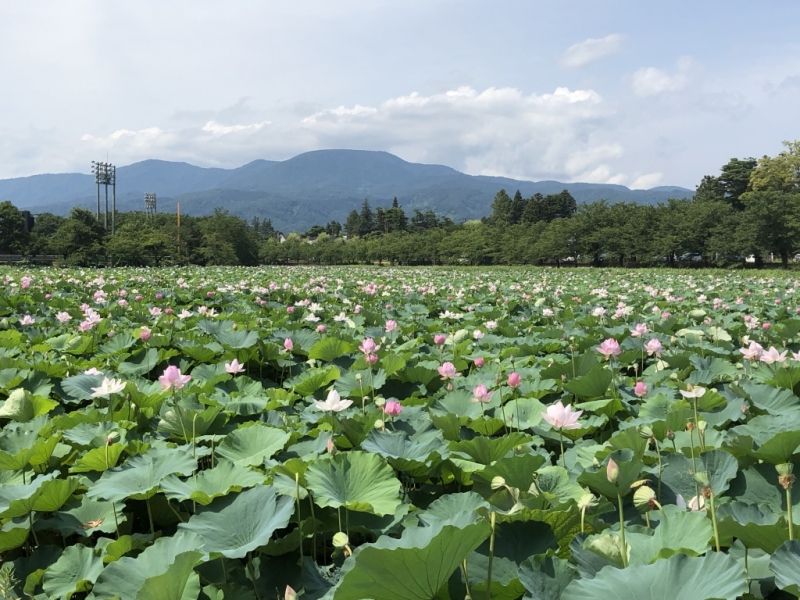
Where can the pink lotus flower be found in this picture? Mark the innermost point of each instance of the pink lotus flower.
(514, 380)
(321, 328)
(640, 389)
(479, 362)
(481, 394)
(609, 348)
(368, 346)
(391, 325)
(653, 347)
(290, 309)
(288, 344)
(439, 339)
(234, 367)
(448, 371)
(392, 407)
(63, 317)
(145, 333)
(639, 330)
(25, 282)
(173, 378)
(372, 358)
(773, 356)
(86, 325)
(27, 320)
(752, 352)
(562, 417)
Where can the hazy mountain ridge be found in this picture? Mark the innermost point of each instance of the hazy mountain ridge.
(311, 188)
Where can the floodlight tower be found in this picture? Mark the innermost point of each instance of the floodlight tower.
(150, 203)
(105, 174)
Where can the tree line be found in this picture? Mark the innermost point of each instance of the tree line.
(750, 209)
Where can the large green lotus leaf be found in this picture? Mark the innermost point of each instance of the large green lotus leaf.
(629, 472)
(591, 385)
(37, 453)
(710, 370)
(757, 526)
(414, 567)
(358, 384)
(420, 449)
(458, 509)
(310, 380)
(88, 517)
(238, 524)
(141, 362)
(117, 344)
(124, 579)
(202, 488)
(679, 532)
(505, 577)
(18, 406)
(179, 582)
(355, 480)
(779, 448)
(98, 459)
(79, 387)
(75, 571)
(486, 450)
(680, 577)
(555, 485)
(181, 422)
(17, 500)
(53, 494)
(764, 427)
(459, 403)
(140, 476)
(517, 471)
(564, 521)
(785, 564)
(330, 348)
(678, 472)
(522, 413)
(251, 445)
(13, 533)
(392, 363)
(237, 340)
(775, 401)
(545, 578)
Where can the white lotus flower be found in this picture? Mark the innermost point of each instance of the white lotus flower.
(108, 387)
(333, 403)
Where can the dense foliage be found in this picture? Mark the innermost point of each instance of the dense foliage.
(392, 434)
(751, 209)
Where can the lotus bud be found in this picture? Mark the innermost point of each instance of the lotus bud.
(670, 434)
(644, 497)
(701, 425)
(289, 593)
(612, 471)
(379, 424)
(645, 431)
(340, 539)
(701, 477)
(498, 482)
(112, 437)
(380, 401)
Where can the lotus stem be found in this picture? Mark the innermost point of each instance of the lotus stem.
(251, 569)
(466, 578)
(660, 469)
(711, 504)
(314, 530)
(789, 521)
(624, 549)
(492, 523)
(297, 502)
(116, 522)
(561, 442)
(150, 518)
(694, 463)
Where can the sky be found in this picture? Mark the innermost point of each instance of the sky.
(634, 93)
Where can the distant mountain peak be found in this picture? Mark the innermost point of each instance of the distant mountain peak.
(311, 188)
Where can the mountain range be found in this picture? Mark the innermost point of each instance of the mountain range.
(311, 188)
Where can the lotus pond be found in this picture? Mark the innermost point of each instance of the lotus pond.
(398, 434)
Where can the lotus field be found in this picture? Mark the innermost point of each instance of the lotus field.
(405, 434)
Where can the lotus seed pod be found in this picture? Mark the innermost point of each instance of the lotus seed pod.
(645, 431)
(340, 539)
(379, 424)
(498, 482)
(784, 469)
(701, 477)
(643, 497)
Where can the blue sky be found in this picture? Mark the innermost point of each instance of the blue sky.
(636, 93)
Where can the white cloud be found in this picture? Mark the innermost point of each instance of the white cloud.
(591, 50)
(646, 181)
(217, 129)
(650, 81)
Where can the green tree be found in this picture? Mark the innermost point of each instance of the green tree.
(778, 173)
(14, 235)
(735, 179)
(501, 209)
(775, 220)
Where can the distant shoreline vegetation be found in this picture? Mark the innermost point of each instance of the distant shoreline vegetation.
(748, 213)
